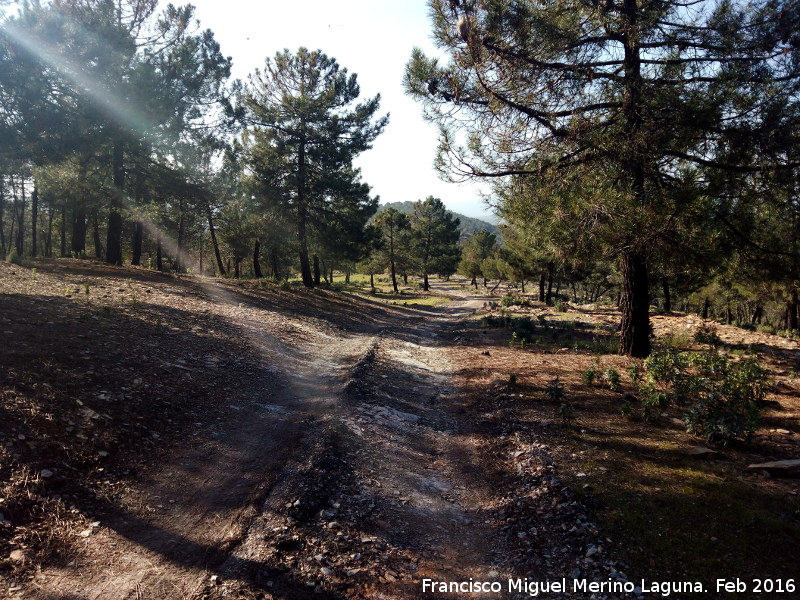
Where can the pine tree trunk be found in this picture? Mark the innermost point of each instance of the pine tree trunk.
(276, 265)
(114, 234)
(34, 218)
(371, 281)
(179, 243)
(159, 254)
(214, 242)
(21, 222)
(316, 271)
(794, 309)
(425, 286)
(475, 283)
(542, 283)
(48, 250)
(138, 238)
(324, 271)
(98, 250)
(667, 299)
(305, 267)
(256, 263)
(548, 299)
(394, 276)
(236, 261)
(79, 229)
(405, 278)
(635, 304)
(2, 223)
(706, 306)
(64, 231)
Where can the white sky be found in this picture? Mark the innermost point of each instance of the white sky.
(372, 38)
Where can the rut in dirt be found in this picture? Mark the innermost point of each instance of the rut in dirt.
(353, 473)
(406, 495)
(182, 520)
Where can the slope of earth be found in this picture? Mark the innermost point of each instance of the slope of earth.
(145, 416)
(673, 507)
(175, 437)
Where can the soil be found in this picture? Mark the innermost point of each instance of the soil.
(179, 437)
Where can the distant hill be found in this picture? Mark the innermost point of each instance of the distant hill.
(468, 225)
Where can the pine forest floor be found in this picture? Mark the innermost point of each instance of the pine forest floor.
(176, 437)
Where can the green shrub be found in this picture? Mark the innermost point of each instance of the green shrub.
(612, 379)
(588, 375)
(512, 379)
(677, 339)
(626, 406)
(561, 307)
(566, 412)
(650, 406)
(724, 396)
(707, 334)
(635, 373)
(510, 300)
(555, 390)
(16, 259)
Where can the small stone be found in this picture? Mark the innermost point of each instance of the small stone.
(18, 556)
(702, 452)
(45, 473)
(591, 551)
(521, 534)
(327, 572)
(102, 454)
(784, 468)
(85, 533)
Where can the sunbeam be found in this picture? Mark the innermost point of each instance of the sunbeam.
(106, 101)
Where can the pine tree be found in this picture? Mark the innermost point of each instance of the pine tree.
(304, 132)
(607, 109)
(434, 239)
(392, 224)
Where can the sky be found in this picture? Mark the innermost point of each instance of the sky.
(372, 38)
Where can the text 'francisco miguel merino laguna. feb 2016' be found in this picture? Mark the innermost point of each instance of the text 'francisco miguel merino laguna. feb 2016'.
(663, 588)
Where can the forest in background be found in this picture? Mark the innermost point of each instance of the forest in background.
(642, 154)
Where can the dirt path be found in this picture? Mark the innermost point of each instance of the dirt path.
(372, 417)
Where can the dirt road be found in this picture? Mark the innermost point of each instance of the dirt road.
(346, 471)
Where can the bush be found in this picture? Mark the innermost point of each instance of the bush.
(588, 375)
(555, 390)
(653, 400)
(561, 307)
(707, 334)
(724, 396)
(612, 379)
(16, 259)
(626, 406)
(635, 373)
(566, 412)
(513, 301)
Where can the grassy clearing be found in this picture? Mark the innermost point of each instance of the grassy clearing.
(409, 295)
